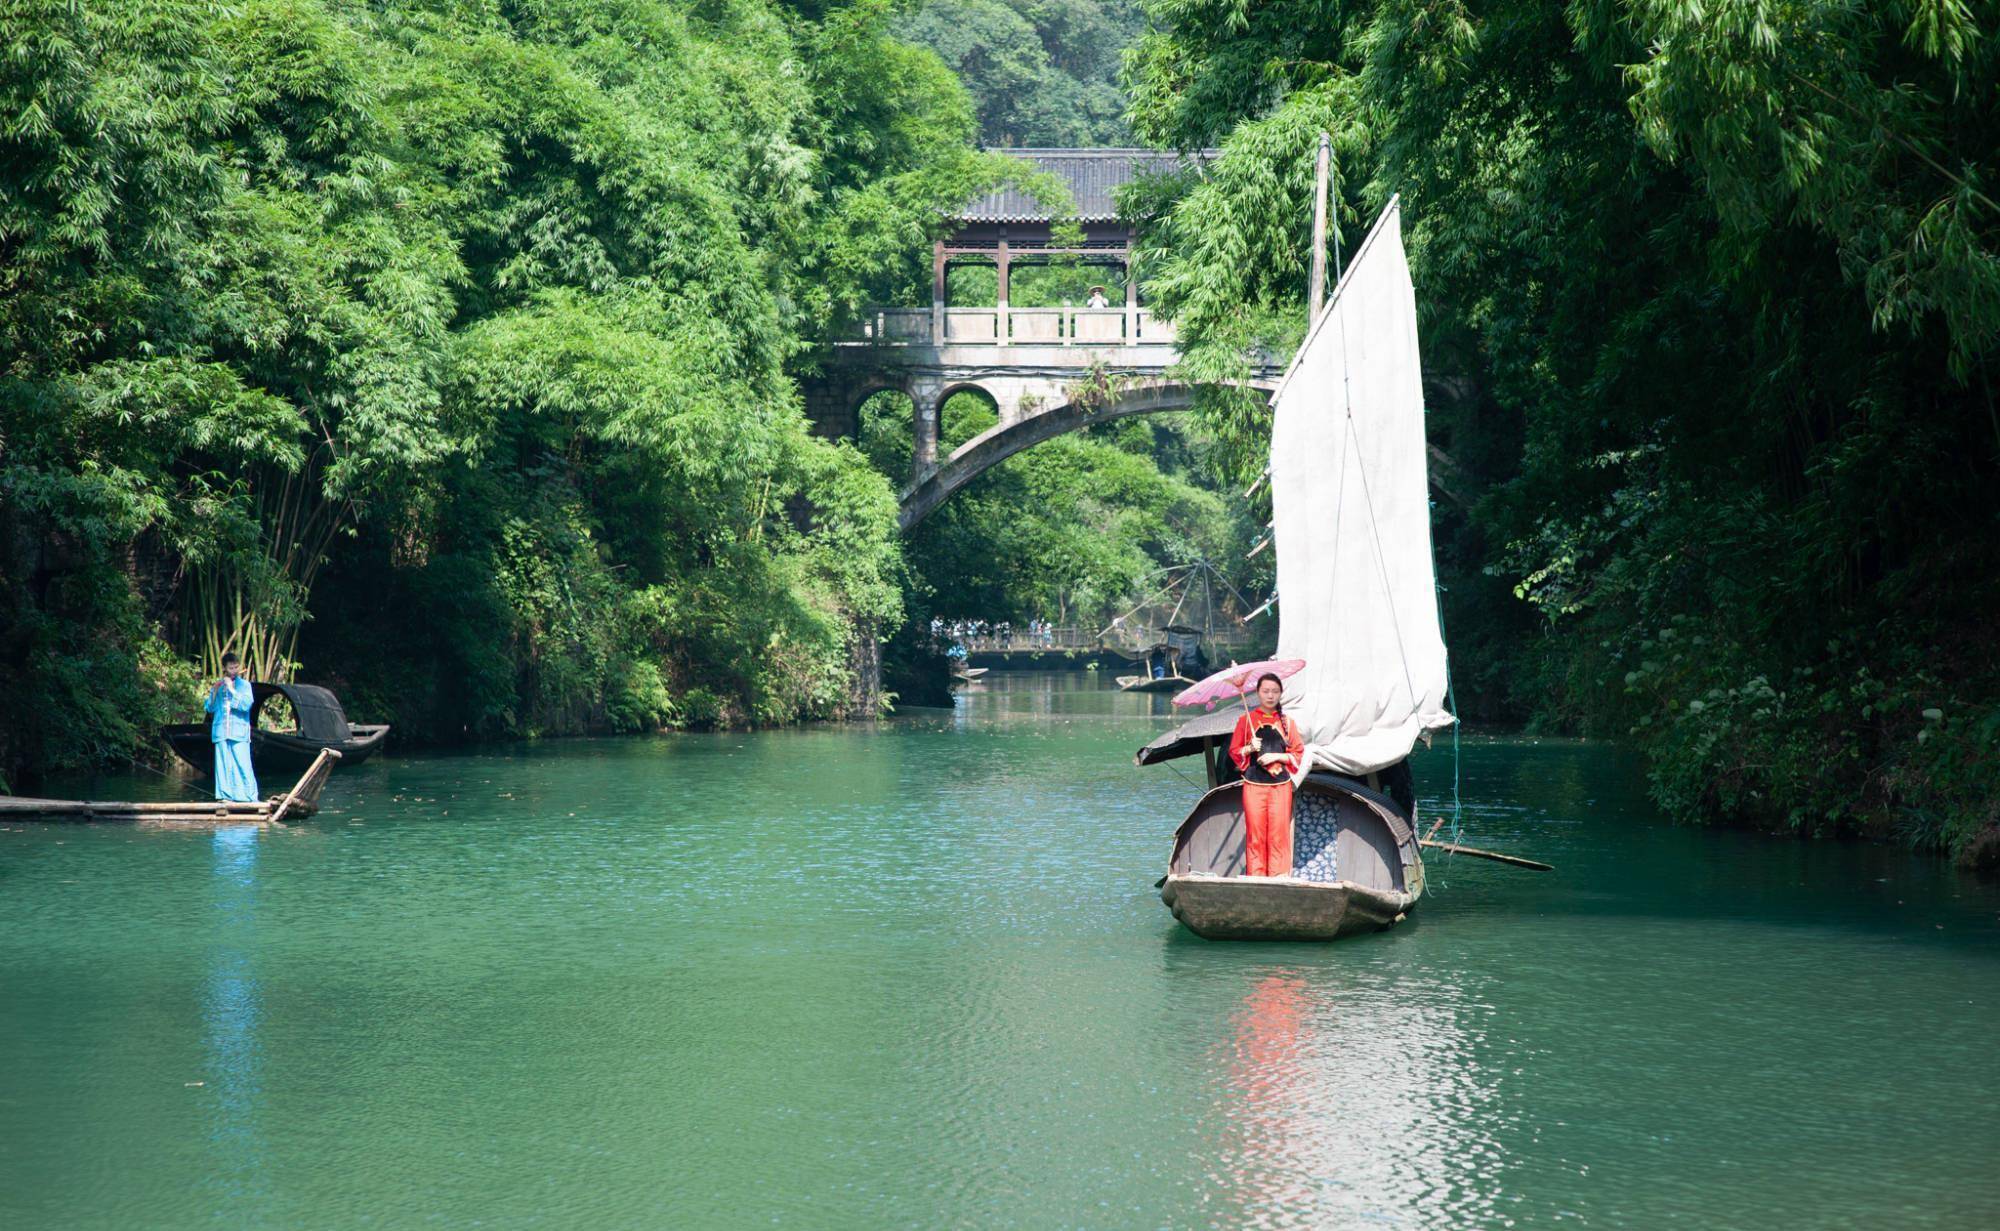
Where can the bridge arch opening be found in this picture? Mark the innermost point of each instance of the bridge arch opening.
(885, 425)
(1004, 439)
(968, 394)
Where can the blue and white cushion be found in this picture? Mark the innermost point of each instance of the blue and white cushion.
(1315, 823)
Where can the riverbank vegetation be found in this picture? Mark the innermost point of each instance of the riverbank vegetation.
(1040, 72)
(450, 349)
(1711, 297)
(446, 347)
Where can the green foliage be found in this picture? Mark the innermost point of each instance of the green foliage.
(445, 350)
(1041, 72)
(1710, 297)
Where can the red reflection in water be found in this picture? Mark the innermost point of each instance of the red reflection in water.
(1271, 1116)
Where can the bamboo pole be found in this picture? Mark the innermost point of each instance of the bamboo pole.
(319, 766)
(1316, 286)
(1514, 861)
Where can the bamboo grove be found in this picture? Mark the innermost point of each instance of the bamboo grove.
(1711, 299)
(446, 345)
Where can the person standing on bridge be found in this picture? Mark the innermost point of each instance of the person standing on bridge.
(1266, 748)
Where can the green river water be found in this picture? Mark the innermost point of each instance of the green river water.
(915, 975)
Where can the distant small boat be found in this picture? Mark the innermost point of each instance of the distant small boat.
(321, 724)
(1147, 683)
(301, 801)
(1167, 662)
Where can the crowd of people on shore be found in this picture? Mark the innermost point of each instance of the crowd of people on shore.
(997, 632)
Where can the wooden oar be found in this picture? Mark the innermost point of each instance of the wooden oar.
(1511, 860)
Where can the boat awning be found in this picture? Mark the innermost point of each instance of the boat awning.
(318, 711)
(1187, 739)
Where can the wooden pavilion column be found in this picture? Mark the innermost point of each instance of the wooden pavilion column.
(937, 293)
(1131, 299)
(1000, 323)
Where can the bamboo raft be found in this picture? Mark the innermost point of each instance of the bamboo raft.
(301, 801)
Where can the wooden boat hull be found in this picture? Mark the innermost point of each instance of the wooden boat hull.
(1356, 859)
(1146, 683)
(1280, 908)
(274, 752)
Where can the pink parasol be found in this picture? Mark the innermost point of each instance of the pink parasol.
(1237, 680)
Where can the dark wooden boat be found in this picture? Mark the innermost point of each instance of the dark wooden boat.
(1172, 657)
(1147, 683)
(1357, 865)
(321, 724)
(301, 801)
(1355, 858)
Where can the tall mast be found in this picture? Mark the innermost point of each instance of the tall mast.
(1316, 286)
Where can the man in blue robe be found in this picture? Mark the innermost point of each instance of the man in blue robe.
(230, 701)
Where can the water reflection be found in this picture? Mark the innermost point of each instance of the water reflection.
(1349, 1100)
(231, 1010)
(1263, 1078)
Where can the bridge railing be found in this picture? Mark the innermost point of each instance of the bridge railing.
(1065, 326)
(1023, 641)
(1220, 647)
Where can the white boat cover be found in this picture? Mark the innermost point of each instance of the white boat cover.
(1357, 593)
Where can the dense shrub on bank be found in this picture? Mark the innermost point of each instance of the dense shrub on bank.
(442, 351)
(1711, 301)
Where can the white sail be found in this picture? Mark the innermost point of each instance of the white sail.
(1351, 503)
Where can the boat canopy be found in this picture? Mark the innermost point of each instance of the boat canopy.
(1357, 592)
(1187, 739)
(318, 711)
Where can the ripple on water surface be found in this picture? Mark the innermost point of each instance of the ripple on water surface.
(916, 975)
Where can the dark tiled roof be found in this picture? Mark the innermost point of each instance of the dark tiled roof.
(1093, 176)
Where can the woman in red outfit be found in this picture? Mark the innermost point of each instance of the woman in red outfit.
(1266, 748)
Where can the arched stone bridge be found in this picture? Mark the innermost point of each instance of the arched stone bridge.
(1091, 405)
(1037, 393)
(1046, 370)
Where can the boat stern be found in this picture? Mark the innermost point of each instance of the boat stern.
(1279, 907)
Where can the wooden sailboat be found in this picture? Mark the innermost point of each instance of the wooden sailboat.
(1357, 602)
(301, 801)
